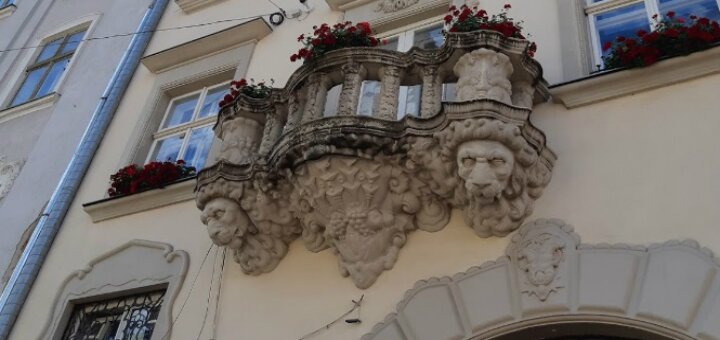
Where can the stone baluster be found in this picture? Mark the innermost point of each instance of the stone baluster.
(431, 92)
(294, 114)
(271, 133)
(354, 74)
(389, 92)
(317, 88)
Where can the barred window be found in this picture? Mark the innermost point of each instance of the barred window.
(132, 317)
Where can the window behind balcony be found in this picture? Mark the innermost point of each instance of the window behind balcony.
(126, 318)
(43, 75)
(186, 130)
(609, 19)
(4, 3)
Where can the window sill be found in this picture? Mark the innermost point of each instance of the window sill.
(31, 106)
(113, 207)
(188, 6)
(7, 10)
(622, 82)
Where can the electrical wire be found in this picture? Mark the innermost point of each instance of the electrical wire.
(182, 307)
(120, 35)
(217, 296)
(278, 7)
(207, 303)
(356, 305)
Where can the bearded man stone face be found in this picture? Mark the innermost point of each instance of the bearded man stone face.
(485, 167)
(226, 222)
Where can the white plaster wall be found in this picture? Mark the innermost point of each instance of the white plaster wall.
(637, 169)
(47, 138)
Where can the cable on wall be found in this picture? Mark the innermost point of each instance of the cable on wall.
(356, 306)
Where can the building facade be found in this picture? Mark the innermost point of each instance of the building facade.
(469, 188)
(52, 80)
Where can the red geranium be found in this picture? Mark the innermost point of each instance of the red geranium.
(672, 36)
(134, 178)
(466, 19)
(326, 38)
(259, 90)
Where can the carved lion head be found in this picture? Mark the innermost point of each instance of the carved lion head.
(499, 173)
(226, 222)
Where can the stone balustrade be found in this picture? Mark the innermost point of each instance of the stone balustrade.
(303, 163)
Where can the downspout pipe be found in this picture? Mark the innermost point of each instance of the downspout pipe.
(26, 271)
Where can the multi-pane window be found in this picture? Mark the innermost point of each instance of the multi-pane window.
(612, 18)
(125, 318)
(43, 75)
(186, 130)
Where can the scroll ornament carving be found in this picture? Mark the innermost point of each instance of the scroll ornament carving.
(8, 173)
(390, 6)
(485, 167)
(252, 220)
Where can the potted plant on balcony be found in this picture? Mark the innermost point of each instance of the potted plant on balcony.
(250, 89)
(328, 38)
(135, 178)
(468, 19)
(672, 36)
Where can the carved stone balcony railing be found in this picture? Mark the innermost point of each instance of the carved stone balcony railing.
(359, 184)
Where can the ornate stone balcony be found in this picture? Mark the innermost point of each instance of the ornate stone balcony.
(359, 184)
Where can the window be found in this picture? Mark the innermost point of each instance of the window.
(186, 130)
(4, 3)
(427, 37)
(609, 19)
(43, 75)
(125, 318)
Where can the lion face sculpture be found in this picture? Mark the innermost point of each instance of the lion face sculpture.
(226, 222)
(485, 167)
(499, 173)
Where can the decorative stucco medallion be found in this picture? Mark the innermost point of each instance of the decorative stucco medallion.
(9, 171)
(390, 6)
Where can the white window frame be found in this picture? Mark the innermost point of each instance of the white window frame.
(652, 7)
(185, 128)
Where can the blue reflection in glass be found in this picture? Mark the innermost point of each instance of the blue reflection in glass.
(686, 8)
(623, 21)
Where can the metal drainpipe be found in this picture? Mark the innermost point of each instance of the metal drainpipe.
(26, 271)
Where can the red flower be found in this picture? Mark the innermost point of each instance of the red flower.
(242, 82)
(228, 98)
(301, 37)
(448, 19)
(507, 6)
(641, 33)
(293, 57)
(607, 46)
(364, 26)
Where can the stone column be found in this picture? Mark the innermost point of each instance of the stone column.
(294, 114)
(354, 74)
(318, 85)
(271, 133)
(389, 92)
(431, 91)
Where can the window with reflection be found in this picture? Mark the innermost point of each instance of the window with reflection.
(126, 318)
(609, 19)
(43, 75)
(186, 130)
(426, 37)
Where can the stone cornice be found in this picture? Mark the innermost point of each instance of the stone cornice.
(623, 82)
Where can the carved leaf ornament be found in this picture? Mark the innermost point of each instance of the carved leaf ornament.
(360, 185)
(390, 6)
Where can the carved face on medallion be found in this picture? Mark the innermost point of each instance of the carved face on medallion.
(485, 167)
(226, 222)
(540, 258)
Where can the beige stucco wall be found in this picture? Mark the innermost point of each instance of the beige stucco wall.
(637, 169)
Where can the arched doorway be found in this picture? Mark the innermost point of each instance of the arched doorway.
(550, 286)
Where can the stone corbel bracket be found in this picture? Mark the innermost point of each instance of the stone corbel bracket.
(358, 185)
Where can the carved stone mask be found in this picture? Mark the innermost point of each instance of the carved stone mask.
(226, 222)
(540, 259)
(485, 166)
